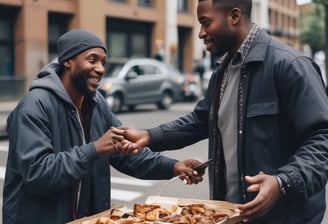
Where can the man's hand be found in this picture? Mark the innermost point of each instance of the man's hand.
(134, 140)
(268, 194)
(108, 143)
(185, 172)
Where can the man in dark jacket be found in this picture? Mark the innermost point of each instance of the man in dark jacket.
(266, 116)
(60, 145)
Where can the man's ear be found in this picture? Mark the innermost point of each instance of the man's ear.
(67, 64)
(235, 15)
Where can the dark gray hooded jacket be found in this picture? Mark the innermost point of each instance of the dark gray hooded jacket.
(47, 158)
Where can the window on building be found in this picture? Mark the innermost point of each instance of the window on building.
(182, 6)
(118, 44)
(7, 42)
(138, 44)
(57, 26)
(144, 3)
(127, 38)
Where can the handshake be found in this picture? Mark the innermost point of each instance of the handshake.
(126, 141)
(129, 141)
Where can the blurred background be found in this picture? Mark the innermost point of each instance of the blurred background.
(152, 29)
(165, 30)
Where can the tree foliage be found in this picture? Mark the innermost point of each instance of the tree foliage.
(313, 28)
(321, 1)
(324, 3)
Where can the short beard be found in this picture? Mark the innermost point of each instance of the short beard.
(81, 86)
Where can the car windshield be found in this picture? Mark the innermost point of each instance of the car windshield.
(113, 69)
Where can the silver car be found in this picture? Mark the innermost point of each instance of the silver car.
(129, 82)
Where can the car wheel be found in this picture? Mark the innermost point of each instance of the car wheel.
(166, 101)
(131, 107)
(191, 98)
(117, 103)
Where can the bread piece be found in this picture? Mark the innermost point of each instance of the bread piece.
(140, 211)
(105, 220)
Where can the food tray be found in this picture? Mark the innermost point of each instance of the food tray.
(166, 202)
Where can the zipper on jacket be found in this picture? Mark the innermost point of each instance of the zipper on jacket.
(241, 105)
(243, 186)
(78, 191)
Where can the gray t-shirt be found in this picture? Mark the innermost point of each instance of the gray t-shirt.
(228, 117)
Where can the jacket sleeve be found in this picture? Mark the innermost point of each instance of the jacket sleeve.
(42, 167)
(305, 104)
(183, 131)
(144, 165)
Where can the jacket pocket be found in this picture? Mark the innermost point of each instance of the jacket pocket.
(262, 109)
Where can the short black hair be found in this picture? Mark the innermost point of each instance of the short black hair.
(244, 5)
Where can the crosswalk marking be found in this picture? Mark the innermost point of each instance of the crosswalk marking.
(3, 148)
(128, 195)
(2, 172)
(124, 195)
(132, 181)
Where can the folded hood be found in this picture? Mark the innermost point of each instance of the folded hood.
(50, 80)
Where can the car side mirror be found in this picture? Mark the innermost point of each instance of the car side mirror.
(131, 75)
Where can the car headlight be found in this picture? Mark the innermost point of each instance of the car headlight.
(179, 80)
(107, 86)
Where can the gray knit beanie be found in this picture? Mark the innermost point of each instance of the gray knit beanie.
(75, 42)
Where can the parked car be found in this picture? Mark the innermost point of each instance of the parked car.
(192, 89)
(206, 80)
(129, 82)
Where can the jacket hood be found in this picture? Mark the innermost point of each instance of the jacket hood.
(49, 79)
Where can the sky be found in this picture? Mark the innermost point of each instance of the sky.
(300, 2)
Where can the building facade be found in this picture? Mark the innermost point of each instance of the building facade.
(29, 30)
(280, 18)
(168, 29)
(284, 21)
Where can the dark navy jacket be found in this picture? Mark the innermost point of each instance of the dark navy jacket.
(282, 127)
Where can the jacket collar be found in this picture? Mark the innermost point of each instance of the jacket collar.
(257, 50)
(259, 47)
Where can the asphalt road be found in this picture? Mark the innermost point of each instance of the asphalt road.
(127, 190)
(146, 117)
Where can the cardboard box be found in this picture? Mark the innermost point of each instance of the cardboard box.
(166, 202)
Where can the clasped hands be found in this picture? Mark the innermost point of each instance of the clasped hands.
(130, 141)
(126, 141)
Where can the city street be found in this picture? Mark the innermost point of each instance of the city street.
(127, 190)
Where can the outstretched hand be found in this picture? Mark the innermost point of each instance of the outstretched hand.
(134, 140)
(185, 172)
(268, 194)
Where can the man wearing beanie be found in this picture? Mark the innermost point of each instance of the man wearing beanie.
(61, 146)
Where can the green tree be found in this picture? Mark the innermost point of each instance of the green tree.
(325, 28)
(312, 28)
